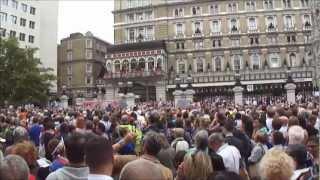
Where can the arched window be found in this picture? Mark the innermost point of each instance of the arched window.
(255, 61)
(117, 66)
(125, 65)
(150, 64)
(142, 64)
(218, 64)
(109, 67)
(292, 59)
(274, 60)
(159, 64)
(133, 64)
(236, 62)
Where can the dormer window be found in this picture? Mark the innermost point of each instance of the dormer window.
(196, 10)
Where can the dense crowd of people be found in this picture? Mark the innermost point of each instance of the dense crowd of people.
(206, 141)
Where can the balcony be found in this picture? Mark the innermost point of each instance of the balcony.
(253, 30)
(197, 34)
(234, 30)
(270, 75)
(134, 74)
(307, 26)
(289, 29)
(216, 33)
(179, 35)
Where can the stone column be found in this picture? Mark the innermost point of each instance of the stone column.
(291, 92)
(160, 91)
(238, 95)
(189, 95)
(64, 101)
(109, 96)
(178, 96)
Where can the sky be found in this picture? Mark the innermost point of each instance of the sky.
(86, 15)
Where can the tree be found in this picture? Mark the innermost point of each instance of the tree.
(22, 80)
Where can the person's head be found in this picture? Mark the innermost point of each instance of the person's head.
(99, 155)
(217, 162)
(276, 123)
(201, 140)
(237, 116)
(178, 132)
(197, 165)
(276, 165)
(228, 126)
(246, 125)
(54, 149)
(80, 122)
(89, 126)
(151, 143)
(20, 134)
(293, 121)
(261, 137)
(178, 158)
(271, 112)
(75, 146)
(14, 167)
(299, 153)
(27, 151)
(278, 138)
(154, 117)
(313, 146)
(296, 135)
(216, 140)
(163, 141)
(225, 175)
(100, 128)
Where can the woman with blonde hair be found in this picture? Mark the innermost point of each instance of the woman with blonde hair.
(276, 165)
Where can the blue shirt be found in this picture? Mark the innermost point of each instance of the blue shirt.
(34, 134)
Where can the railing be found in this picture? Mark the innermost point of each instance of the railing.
(246, 75)
(179, 35)
(197, 35)
(289, 28)
(252, 30)
(216, 33)
(271, 29)
(134, 74)
(307, 28)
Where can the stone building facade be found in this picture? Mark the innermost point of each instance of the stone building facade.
(80, 60)
(212, 40)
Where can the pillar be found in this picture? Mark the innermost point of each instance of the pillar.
(160, 91)
(189, 95)
(238, 95)
(64, 101)
(178, 98)
(109, 96)
(291, 93)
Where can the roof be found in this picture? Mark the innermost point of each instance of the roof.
(148, 45)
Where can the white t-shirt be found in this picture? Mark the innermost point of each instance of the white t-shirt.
(231, 157)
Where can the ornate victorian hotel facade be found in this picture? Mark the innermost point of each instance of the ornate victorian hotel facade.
(211, 41)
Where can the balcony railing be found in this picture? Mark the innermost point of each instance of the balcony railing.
(135, 74)
(289, 28)
(197, 35)
(307, 27)
(246, 75)
(179, 35)
(252, 30)
(216, 33)
(270, 30)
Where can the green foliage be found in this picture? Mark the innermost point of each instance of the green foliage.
(22, 80)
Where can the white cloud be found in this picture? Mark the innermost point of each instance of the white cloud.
(83, 16)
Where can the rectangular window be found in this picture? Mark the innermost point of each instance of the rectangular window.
(198, 44)
(31, 24)
(306, 38)
(252, 24)
(179, 29)
(149, 33)
(139, 16)
(130, 17)
(148, 15)
(13, 34)
(3, 17)
(88, 80)
(88, 68)
(13, 19)
(305, 3)
(251, 5)
(23, 22)
(31, 39)
(14, 4)
(88, 54)
(131, 35)
(215, 26)
(88, 43)
(69, 44)
(22, 37)
(2, 32)
(69, 55)
(287, 3)
(214, 9)
(288, 23)
(69, 70)
(24, 7)
(4, 2)
(32, 10)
